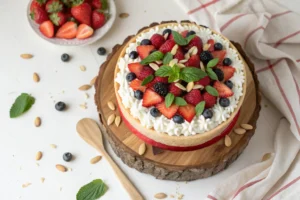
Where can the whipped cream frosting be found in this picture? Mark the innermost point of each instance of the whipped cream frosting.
(162, 124)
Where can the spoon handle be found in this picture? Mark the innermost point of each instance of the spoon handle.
(129, 187)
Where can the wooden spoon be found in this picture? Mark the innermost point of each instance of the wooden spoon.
(90, 132)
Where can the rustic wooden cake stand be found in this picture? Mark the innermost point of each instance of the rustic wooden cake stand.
(170, 165)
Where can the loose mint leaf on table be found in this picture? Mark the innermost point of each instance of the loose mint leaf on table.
(211, 73)
(200, 107)
(164, 71)
(180, 101)
(211, 90)
(157, 55)
(189, 74)
(168, 57)
(180, 40)
(148, 79)
(92, 190)
(169, 99)
(22, 104)
(213, 62)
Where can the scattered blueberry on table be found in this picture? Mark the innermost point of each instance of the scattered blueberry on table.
(65, 57)
(60, 106)
(67, 157)
(101, 51)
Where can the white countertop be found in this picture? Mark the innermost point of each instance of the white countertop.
(21, 139)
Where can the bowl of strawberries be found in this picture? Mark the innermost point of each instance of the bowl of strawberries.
(71, 22)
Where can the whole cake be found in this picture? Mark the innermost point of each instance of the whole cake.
(180, 86)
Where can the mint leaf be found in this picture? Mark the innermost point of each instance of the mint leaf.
(148, 79)
(211, 74)
(92, 190)
(169, 99)
(179, 39)
(200, 107)
(168, 57)
(175, 74)
(22, 104)
(180, 101)
(157, 55)
(211, 90)
(164, 71)
(189, 74)
(189, 38)
(213, 62)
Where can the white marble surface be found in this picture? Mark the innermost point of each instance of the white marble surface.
(20, 140)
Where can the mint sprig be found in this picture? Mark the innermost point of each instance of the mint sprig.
(180, 101)
(92, 190)
(147, 80)
(157, 55)
(189, 74)
(167, 58)
(211, 90)
(211, 74)
(213, 62)
(22, 104)
(199, 108)
(175, 75)
(169, 99)
(180, 40)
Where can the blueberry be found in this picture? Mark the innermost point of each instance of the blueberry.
(130, 77)
(138, 94)
(60, 106)
(161, 89)
(101, 51)
(219, 73)
(205, 56)
(67, 157)
(207, 113)
(133, 55)
(229, 84)
(224, 102)
(146, 42)
(154, 112)
(153, 51)
(65, 57)
(190, 33)
(169, 31)
(218, 46)
(178, 119)
(227, 61)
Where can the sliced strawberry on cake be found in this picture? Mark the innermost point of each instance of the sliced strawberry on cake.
(175, 90)
(222, 89)
(137, 85)
(156, 80)
(146, 71)
(167, 46)
(144, 50)
(209, 99)
(167, 112)
(151, 98)
(193, 97)
(204, 81)
(228, 72)
(193, 61)
(157, 40)
(179, 54)
(197, 42)
(219, 54)
(188, 112)
(135, 68)
(211, 43)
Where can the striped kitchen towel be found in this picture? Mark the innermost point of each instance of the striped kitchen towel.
(270, 35)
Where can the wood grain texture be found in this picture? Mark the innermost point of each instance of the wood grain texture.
(178, 166)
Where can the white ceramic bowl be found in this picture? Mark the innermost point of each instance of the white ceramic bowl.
(99, 33)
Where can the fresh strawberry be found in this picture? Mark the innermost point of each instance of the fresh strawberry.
(167, 46)
(47, 29)
(212, 43)
(179, 54)
(144, 50)
(204, 81)
(193, 97)
(84, 31)
(151, 98)
(146, 71)
(58, 18)
(170, 37)
(67, 30)
(82, 12)
(184, 33)
(193, 61)
(167, 112)
(135, 68)
(188, 112)
(99, 18)
(156, 80)
(39, 15)
(37, 3)
(157, 40)
(136, 84)
(53, 6)
(175, 90)
(222, 89)
(99, 4)
(228, 71)
(209, 99)
(197, 42)
(219, 54)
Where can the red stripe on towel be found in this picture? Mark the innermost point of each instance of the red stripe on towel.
(211, 197)
(246, 186)
(285, 38)
(285, 187)
(251, 33)
(268, 67)
(279, 14)
(231, 21)
(202, 6)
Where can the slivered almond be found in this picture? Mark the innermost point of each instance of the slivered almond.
(85, 87)
(206, 47)
(195, 51)
(118, 121)
(26, 185)
(247, 126)
(198, 87)
(173, 62)
(266, 157)
(38, 155)
(42, 179)
(228, 141)
(37, 122)
(239, 131)
(111, 105)
(83, 106)
(202, 66)
(191, 50)
(154, 66)
(166, 36)
(53, 146)
(61, 168)
(180, 65)
(95, 159)
(123, 15)
(160, 195)
(26, 56)
(111, 119)
(159, 62)
(189, 86)
(142, 149)
(82, 68)
(174, 49)
(180, 86)
(36, 77)
(183, 61)
(187, 56)
(92, 82)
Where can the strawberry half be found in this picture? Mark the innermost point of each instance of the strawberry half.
(204, 81)
(188, 112)
(174, 89)
(146, 71)
(209, 99)
(219, 54)
(179, 54)
(84, 31)
(222, 89)
(151, 98)
(197, 42)
(212, 43)
(136, 84)
(228, 71)
(167, 112)
(156, 80)
(144, 50)
(135, 68)
(167, 46)
(193, 61)
(67, 31)
(47, 29)
(193, 97)
(157, 40)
